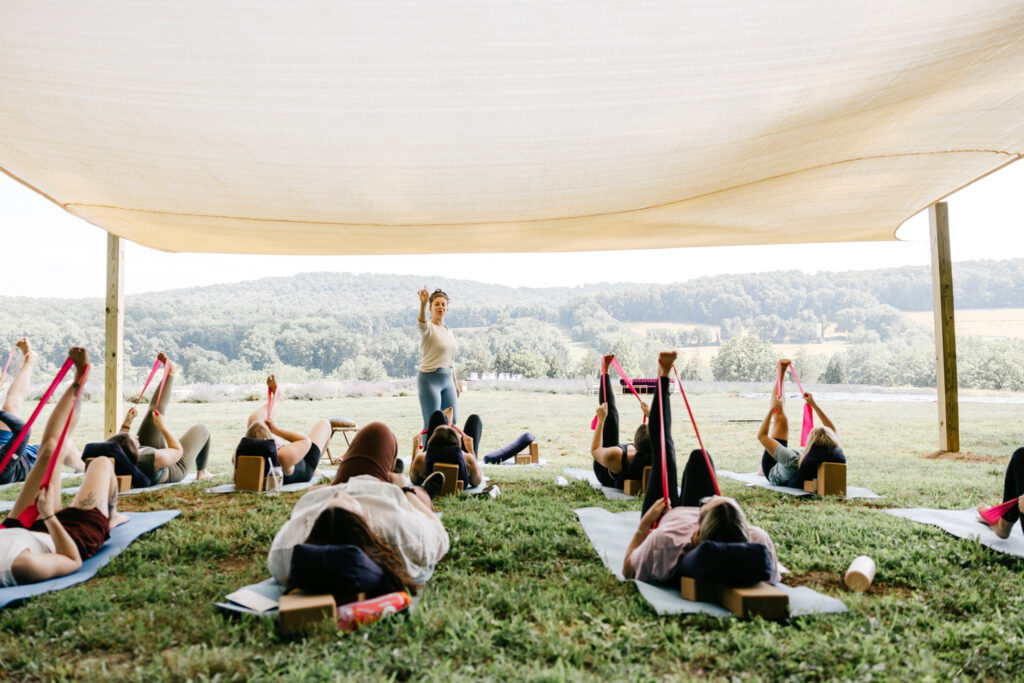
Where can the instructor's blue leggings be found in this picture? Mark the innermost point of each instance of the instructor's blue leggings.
(437, 392)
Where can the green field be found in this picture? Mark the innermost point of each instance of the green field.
(522, 594)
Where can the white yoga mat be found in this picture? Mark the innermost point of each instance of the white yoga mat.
(965, 524)
(189, 478)
(609, 532)
(759, 480)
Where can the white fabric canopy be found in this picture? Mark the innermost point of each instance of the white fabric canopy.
(390, 126)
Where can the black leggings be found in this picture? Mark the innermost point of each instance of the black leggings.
(697, 480)
(1013, 485)
(610, 433)
(474, 428)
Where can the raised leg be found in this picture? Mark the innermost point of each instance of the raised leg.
(15, 400)
(149, 434)
(62, 412)
(660, 420)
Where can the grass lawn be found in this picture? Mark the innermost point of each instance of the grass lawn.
(522, 594)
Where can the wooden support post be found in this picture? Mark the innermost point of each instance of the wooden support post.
(113, 361)
(945, 334)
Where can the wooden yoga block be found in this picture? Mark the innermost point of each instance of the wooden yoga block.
(647, 478)
(451, 478)
(631, 487)
(860, 574)
(534, 452)
(523, 459)
(88, 461)
(249, 474)
(760, 600)
(296, 611)
(459, 486)
(831, 479)
(124, 482)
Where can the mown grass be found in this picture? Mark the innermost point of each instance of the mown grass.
(522, 594)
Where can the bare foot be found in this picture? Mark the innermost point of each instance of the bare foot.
(785, 363)
(204, 474)
(168, 365)
(272, 384)
(606, 361)
(23, 345)
(1001, 528)
(666, 359)
(117, 519)
(448, 412)
(80, 357)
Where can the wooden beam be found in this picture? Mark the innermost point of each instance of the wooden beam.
(113, 358)
(945, 334)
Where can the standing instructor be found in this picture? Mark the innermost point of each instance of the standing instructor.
(438, 389)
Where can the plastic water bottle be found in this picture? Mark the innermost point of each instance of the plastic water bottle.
(274, 481)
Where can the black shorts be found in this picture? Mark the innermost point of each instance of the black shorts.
(627, 469)
(305, 468)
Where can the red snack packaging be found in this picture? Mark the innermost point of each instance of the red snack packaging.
(356, 614)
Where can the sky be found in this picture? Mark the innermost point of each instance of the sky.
(65, 257)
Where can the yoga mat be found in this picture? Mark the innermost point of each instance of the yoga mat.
(6, 505)
(965, 524)
(759, 480)
(138, 524)
(610, 534)
(287, 488)
(189, 478)
(589, 477)
(511, 462)
(255, 599)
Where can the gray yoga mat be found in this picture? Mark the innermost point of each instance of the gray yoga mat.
(759, 480)
(589, 477)
(965, 524)
(610, 532)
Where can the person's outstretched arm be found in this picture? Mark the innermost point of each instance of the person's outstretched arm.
(652, 515)
(597, 451)
(821, 413)
(31, 567)
(424, 296)
(167, 456)
(298, 445)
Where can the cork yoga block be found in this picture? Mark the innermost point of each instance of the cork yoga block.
(124, 482)
(760, 600)
(523, 459)
(296, 611)
(534, 452)
(451, 478)
(249, 474)
(832, 479)
(646, 480)
(631, 487)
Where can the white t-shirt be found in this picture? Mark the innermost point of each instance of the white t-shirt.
(437, 343)
(419, 539)
(14, 542)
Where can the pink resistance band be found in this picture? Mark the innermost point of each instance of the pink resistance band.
(23, 434)
(992, 514)
(160, 392)
(3, 373)
(604, 398)
(270, 401)
(808, 421)
(29, 515)
(707, 460)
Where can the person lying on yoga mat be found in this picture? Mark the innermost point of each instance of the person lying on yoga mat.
(616, 462)
(1013, 487)
(446, 446)
(157, 453)
(299, 454)
(374, 453)
(367, 510)
(692, 515)
(60, 539)
(785, 466)
(12, 423)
